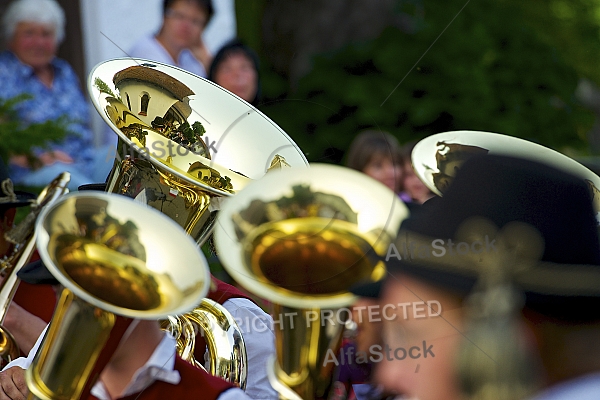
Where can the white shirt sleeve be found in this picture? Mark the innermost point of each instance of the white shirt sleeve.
(257, 331)
(233, 394)
(25, 362)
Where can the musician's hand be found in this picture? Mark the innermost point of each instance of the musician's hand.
(12, 384)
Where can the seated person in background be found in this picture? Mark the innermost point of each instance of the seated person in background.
(412, 185)
(236, 68)
(33, 30)
(179, 40)
(378, 155)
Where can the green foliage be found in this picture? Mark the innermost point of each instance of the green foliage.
(19, 138)
(572, 27)
(182, 133)
(103, 87)
(198, 128)
(490, 70)
(186, 135)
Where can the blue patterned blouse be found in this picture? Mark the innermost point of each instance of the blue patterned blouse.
(64, 98)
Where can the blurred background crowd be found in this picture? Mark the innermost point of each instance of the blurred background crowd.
(326, 84)
(330, 69)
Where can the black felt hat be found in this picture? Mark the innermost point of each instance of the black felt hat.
(370, 290)
(529, 218)
(36, 273)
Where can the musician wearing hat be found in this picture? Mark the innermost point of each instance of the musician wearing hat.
(511, 254)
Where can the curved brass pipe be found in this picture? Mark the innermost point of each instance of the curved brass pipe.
(223, 336)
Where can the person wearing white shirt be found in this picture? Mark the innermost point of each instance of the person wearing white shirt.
(145, 357)
(179, 40)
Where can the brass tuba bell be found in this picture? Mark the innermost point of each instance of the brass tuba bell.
(184, 143)
(436, 158)
(115, 257)
(300, 239)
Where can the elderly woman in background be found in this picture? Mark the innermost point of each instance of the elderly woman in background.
(33, 29)
(235, 67)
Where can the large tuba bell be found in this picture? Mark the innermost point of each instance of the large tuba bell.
(436, 158)
(23, 238)
(185, 143)
(115, 259)
(300, 239)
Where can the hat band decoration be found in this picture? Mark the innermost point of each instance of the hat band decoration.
(419, 252)
(493, 362)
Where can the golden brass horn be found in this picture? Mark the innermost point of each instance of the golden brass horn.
(23, 238)
(164, 158)
(436, 158)
(300, 239)
(114, 257)
(225, 343)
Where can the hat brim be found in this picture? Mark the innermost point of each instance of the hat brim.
(23, 199)
(567, 292)
(36, 273)
(370, 290)
(100, 187)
